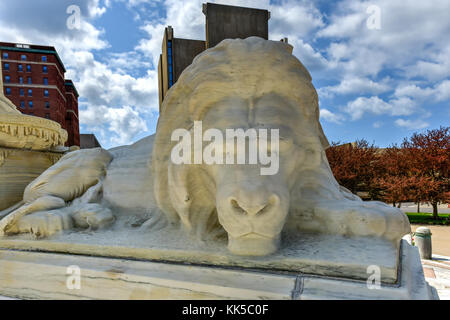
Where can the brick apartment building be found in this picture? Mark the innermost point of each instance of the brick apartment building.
(33, 79)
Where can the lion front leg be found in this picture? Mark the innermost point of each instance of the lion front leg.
(350, 217)
(46, 223)
(9, 224)
(358, 218)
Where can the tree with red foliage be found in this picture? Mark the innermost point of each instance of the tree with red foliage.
(394, 177)
(417, 171)
(353, 165)
(428, 158)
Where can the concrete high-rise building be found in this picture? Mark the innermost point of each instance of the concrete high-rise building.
(89, 140)
(33, 78)
(222, 22)
(176, 55)
(230, 22)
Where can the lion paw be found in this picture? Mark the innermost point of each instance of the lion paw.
(43, 224)
(92, 215)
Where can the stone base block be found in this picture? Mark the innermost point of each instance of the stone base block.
(37, 275)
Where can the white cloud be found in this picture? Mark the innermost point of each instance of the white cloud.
(412, 47)
(124, 122)
(329, 116)
(101, 86)
(439, 92)
(312, 59)
(356, 85)
(374, 105)
(413, 91)
(361, 105)
(127, 62)
(443, 91)
(44, 22)
(345, 25)
(293, 19)
(411, 124)
(377, 124)
(410, 31)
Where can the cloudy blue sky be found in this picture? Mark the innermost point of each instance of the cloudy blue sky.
(378, 84)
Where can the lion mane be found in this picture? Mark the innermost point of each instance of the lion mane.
(250, 68)
(227, 69)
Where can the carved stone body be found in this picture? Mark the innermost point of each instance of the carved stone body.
(251, 83)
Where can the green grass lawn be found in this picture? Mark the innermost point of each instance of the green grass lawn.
(427, 218)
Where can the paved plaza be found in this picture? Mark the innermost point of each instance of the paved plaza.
(437, 274)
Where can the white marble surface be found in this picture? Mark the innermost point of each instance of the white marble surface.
(35, 275)
(328, 255)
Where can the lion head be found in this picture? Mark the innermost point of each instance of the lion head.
(251, 83)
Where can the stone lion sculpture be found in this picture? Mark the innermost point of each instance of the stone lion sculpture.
(251, 83)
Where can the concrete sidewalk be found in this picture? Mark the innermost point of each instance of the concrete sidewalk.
(437, 274)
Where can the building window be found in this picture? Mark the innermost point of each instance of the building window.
(20, 68)
(23, 57)
(47, 115)
(29, 80)
(21, 80)
(46, 81)
(28, 68)
(5, 55)
(8, 91)
(7, 79)
(6, 66)
(22, 104)
(44, 69)
(30, 92)
(22, 93)
(30, 104)
(47, 105)
(44, 58)
(45, 93)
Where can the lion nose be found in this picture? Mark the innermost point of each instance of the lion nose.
(253, 204)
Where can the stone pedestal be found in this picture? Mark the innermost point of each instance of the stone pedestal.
(18, 168)
(38, 275)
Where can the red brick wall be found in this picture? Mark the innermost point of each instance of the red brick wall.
(72, 123)
(58, 99)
